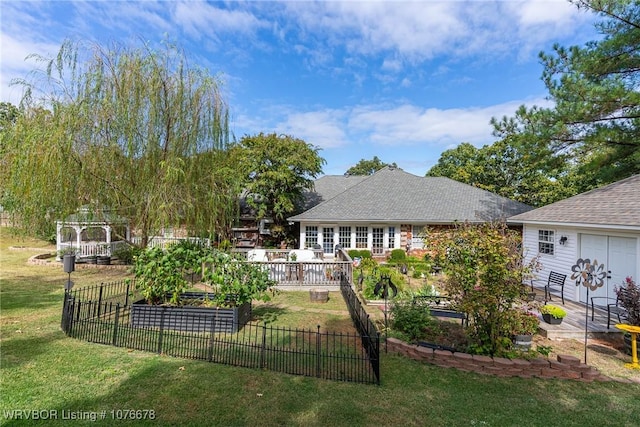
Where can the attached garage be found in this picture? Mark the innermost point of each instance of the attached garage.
(602, 224)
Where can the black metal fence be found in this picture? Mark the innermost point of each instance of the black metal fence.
(103, 314)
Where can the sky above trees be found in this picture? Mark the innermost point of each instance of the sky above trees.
(401, 81)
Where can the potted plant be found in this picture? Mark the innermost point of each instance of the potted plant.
(628, 296)
(522, 325)
(552, 314)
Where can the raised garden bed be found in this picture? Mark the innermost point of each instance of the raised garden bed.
(190, 317)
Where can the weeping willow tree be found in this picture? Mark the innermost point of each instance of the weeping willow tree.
(133, 129)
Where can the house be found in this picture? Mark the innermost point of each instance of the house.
(389, 210)
(601, 224)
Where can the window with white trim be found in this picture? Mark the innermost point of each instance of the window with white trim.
(546, 239)
(392, 237)
(310, 236)
(417, 235)
(344, 236)
(361, 237)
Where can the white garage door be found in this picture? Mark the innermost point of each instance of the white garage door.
(618, 255)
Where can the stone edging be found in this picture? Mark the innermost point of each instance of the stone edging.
(46, 259)
(566, 367)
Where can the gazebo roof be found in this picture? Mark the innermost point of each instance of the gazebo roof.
(86, 215)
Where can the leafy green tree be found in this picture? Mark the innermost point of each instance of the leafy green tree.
(133, 129)
(368, 167)
(596, 116)
(8, 115)
(276, 171)
(460, 164)
(523, 172)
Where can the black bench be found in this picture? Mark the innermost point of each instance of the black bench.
(613, 307)
(440, 306)
(555, 282)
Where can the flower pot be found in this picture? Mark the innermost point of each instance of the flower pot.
(551, 320)
(103, 260)
(522, 342)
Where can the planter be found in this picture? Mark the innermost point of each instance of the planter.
(91, 259)
(627, 345)
(103, 260)
(522, 342)
(551, 320)
(190, 318)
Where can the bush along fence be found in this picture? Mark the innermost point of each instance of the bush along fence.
(103, 314)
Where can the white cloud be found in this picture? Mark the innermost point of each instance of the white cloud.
(202, 19)
(14, 64)
(415, 32)
(410, 125)
(323, 128)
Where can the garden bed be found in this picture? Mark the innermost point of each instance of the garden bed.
(190, 317)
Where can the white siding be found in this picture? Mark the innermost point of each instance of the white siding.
(565, 256)
(561, 261)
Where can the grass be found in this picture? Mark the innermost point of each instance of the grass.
(41, 369)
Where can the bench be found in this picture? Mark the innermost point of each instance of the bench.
(613, 308)
(440, 306)
(555, 281)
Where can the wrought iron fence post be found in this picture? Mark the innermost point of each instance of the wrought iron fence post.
(126, 298)
(100, 299)
(161, 330)
(264, 346)
(115, 326)
(318, 352)
(212, 338)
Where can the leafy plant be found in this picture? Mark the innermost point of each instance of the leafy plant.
(410, 319)
(521, 322)
(629, 298)
(234, 280)
(484, 269)
(160, 274)
(126, 253)
(553, 310)
(359, 253)
(397, 255)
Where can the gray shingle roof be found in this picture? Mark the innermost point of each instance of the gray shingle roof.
(329, 186)
(614, 204)
(394, 195)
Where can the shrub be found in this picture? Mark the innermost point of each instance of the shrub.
(484, 270)
(359, 253)
(410, 319)
(397, 255)
(127, 253)
(629, 299)
(521, 322)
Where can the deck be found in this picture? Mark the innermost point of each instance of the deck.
(573, 324)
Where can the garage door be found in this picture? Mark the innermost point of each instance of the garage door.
(618, 255)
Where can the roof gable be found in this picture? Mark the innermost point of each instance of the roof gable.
(392, 194)
(614, 204)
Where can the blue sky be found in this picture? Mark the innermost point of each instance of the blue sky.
(403, 81)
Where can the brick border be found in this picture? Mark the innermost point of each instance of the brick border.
(565, 367)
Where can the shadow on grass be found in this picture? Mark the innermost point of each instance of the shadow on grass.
(267, 313)
(17, 350)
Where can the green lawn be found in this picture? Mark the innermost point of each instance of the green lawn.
(41, 369)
